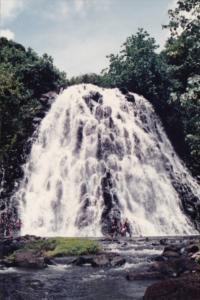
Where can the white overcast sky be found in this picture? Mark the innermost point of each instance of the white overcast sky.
(79, 34)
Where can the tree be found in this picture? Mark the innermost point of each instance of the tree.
(86, 78)
(24, 77)
(183, 58)
(139, 68)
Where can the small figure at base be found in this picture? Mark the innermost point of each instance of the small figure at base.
(126, 228)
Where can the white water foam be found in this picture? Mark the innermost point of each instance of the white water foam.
(78, 142)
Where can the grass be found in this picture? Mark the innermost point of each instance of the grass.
(61, 246)
(72, 246)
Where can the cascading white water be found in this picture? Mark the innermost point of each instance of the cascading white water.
(88, 133)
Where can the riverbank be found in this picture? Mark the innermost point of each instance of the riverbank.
(120, 270)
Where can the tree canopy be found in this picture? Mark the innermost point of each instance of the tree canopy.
(169, 79)
(24, 77)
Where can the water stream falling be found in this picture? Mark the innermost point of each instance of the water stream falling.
(96, 154)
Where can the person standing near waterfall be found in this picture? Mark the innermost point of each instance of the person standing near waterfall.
(126, 228)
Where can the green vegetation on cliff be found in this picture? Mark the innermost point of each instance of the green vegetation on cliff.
(24, 77)
(170, 80)
(60, 246)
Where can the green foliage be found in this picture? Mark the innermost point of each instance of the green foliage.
(72, 246)
(86, 78)
(182, 54)
(170, 79)
(24, 77)
(61, 246)
(139, 68)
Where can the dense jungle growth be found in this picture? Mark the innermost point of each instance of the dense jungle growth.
(169, 79)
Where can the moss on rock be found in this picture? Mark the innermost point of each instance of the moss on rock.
(58, 246)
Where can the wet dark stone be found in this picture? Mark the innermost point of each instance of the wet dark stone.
(117, 261)
(130, 98)
(107, 112)
(8, 246)
(26, 259)
(99, 153)
(99, 113)
(186, 288)
(79, 138)
(47, 99)
(171, 254)
(86, 204)
(41, 114)
(3, 206)
(174, 267)
(131, 276)
(101, 261)
(82, 260)
(36, 120)
(190, 202)
(163, 242)
(59, 190)
(120, 117)
(91, 98)
(109, 200)
(172, 248)
(192, 248)
(97, 97)
(124, 90)
(11, 167)
(83, 189)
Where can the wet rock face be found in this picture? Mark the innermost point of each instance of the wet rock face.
(11, 170)
(176, 260)
(144, 276)
(8, 246)
(47, 99)
(100, 261)
(178, 266)
(111, 202)
(190, 202)
(186, 288)
(116, 155)
(93, 96)
(26, 259)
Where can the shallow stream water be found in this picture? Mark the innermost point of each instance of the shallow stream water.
(66, 281)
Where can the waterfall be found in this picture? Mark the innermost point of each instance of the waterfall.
(97, 153)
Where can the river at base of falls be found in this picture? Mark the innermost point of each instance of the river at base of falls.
(69, 282)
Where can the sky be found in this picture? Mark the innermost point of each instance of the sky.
(79, 34)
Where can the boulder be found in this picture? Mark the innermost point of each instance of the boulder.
(192, 248)
(130, 98)
(186, 288)
(144, 276)
(117, 261)
(82, 260)
(123, 90)
(175, 267)
(173, 248)
(171, 254)
(163, 242)
(101, 261)
(8, 246)
(159, 258)
(196, 257)
(48, 98)
(26, 259)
